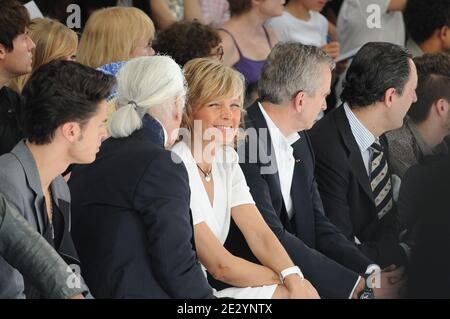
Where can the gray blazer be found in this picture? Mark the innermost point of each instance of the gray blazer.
(20, 184)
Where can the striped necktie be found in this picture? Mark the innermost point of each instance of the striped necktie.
(380, 181)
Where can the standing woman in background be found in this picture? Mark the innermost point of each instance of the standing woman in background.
(246, 41)
(179, 10)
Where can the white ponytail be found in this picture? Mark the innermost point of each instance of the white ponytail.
(144, 83)
(124, 121)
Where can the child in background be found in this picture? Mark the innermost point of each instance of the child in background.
(302, 22)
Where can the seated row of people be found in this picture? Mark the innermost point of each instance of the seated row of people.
(148, 184)
(256, 213)
(159, 209)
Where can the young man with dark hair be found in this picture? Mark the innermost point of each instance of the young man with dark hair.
(428, 120)
(64, 123)
(352, 173)
(15, 60)
(428, 25)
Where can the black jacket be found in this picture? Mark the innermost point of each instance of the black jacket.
(10, 119)
(346, 192)
(132, 224)
(425, 195)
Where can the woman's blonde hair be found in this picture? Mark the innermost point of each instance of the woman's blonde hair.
(111, 34)
(53, 41)
(209, 80)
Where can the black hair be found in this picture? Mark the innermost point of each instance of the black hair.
(424, 17)
(376, 67)
(14, 20)
(61, 92)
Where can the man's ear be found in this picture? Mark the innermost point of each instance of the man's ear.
(444, 33)
(178, 109)
(299, 101)
(71, 131)
(389, 96)
(256, 2)
(442, 108)
(2, 52)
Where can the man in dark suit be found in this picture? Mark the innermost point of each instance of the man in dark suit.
(351, 151)
(278, 163)
(132, 224)
(424, 198)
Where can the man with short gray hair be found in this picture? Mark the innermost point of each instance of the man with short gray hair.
(279, 169)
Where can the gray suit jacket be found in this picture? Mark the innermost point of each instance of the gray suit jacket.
(20, 184)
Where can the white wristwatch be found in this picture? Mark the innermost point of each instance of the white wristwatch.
(289, 271)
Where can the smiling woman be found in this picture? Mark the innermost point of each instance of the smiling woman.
(214, 99)
(213, 114)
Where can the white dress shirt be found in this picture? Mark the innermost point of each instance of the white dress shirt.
(364, 138)
(284, 158)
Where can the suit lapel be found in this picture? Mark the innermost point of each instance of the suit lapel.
(28, 163)
(354, 153)
(265, 155)
(66, 248)
(300, 191)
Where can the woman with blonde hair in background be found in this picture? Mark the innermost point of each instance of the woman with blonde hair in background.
(111, 37)
(115, 34)
(53, 41)
(220, 193)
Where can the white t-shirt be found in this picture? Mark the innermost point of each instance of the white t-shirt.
(311, 32)
(356, 26)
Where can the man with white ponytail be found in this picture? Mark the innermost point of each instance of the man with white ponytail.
(154, 102)
(133, 227)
